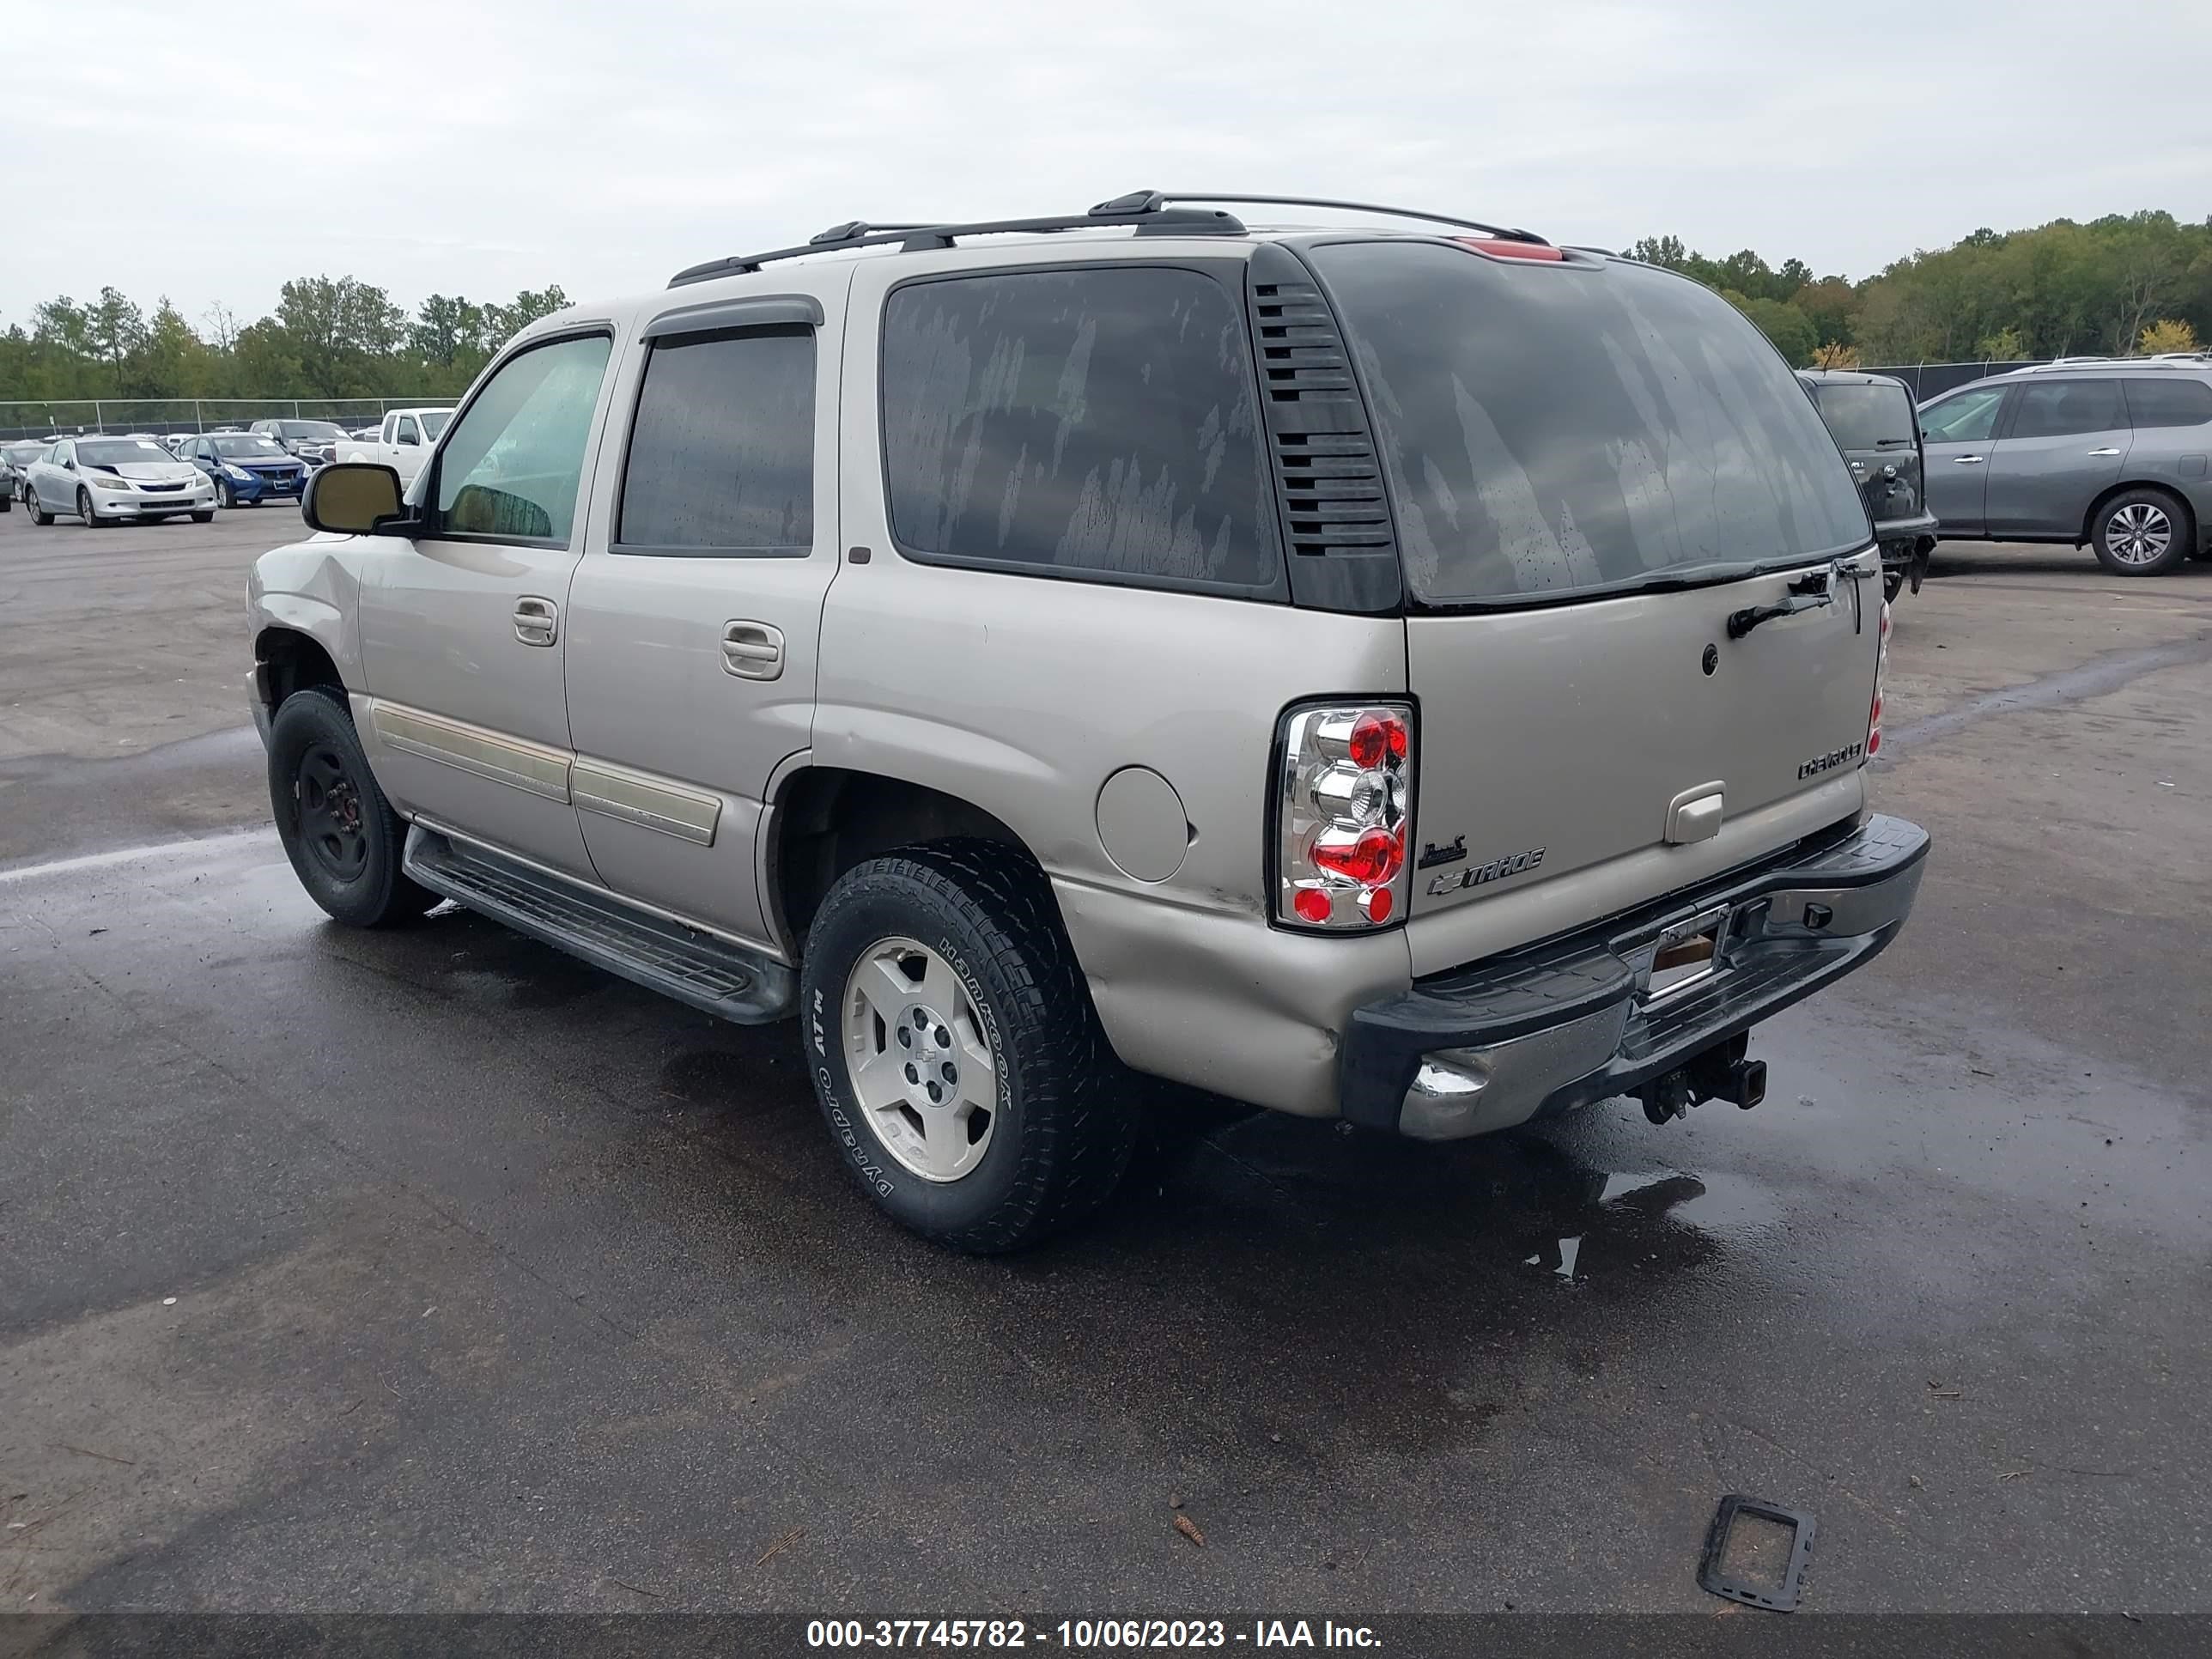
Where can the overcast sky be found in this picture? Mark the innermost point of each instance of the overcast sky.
(478, 147)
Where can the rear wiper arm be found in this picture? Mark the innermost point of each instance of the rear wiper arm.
(1741, 623)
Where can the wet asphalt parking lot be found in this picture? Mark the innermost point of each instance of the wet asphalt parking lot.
(434, 1269)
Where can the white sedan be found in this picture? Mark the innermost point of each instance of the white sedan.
(110, 480)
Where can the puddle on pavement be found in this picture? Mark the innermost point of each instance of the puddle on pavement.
(1532, 1202)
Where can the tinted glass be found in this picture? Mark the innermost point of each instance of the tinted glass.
(1548, 431)
(309, 430)
(1969, 417)
(2058, 409)
(721, 456)
(409, 433)
(243, 447)
(1867, 417)
(1098, 420)
(514, 464)
(434, 423)
(132, 451)
(2177, 402)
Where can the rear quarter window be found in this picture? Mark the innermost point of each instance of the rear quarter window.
(2168, 403)
(1093, 420)
(1555, 430)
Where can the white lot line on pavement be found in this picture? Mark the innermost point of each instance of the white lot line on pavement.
(128, 855)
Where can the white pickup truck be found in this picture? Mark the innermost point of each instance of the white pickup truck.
(403, 443)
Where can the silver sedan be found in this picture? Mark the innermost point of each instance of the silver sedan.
(110, 480)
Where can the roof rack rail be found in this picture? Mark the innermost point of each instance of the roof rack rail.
(1158, 198)
(1147, 217)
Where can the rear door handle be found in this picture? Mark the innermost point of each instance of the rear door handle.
(1965, 460)
(537, 622)
(2106, 450)
(752, 650)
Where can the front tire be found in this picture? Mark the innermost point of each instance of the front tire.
(341, 834)
(224, 495)
(84, 510)
(2143, 532)
(956, 1055)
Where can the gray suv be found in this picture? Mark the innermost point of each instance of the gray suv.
(2109, 454)
(1421, 680)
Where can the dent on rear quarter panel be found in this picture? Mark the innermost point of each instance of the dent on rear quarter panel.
(1023, 694)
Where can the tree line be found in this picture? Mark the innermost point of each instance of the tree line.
(2121, 285)
(2137, 282)
(329, 338)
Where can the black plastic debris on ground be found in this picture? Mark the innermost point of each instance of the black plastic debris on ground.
(1716, 1573)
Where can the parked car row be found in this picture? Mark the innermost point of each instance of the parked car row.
(113, 480)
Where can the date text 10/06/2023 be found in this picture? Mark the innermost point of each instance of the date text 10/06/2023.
(1087, 1635)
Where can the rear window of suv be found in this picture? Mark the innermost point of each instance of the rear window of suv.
(1867, 417)
(1557, 430)
(1095, 420)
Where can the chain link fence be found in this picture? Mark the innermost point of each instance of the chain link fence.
(68, 417)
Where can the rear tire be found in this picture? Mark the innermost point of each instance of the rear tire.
(341, 834)
(2143, 532)
(38, 514)
(956, 944)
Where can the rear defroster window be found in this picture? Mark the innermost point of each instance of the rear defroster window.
(1092, 421)
(1550, 431)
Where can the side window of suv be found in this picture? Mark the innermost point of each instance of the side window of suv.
(1969, 417)
(2058, 409)
(512, 463)
(721, 452)
(1099, 421)
(2168, 403)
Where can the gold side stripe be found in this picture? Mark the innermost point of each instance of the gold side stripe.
(530, 767)
(636, 798)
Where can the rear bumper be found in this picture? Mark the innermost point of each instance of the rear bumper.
(1562, 1024)
(1902, 534)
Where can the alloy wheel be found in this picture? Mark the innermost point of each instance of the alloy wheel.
(919, 1058)
(2139, 533)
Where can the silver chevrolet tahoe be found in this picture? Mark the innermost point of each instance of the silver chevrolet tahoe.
(1418, 678)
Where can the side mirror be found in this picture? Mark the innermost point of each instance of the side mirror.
(353, 498)
(409, 440)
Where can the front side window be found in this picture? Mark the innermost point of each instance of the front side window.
(1551, 431)
(1968, 417)
(2177, 402)
(2059, 408)
(1099, 421)
(1866, 417)
(516, 459)
(408, 432)
(721, 454)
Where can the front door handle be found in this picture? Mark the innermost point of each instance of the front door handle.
(752, 650)
(1965, 460)
(2106, 450)
(537, 622)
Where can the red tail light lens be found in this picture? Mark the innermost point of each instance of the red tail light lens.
(1342, 815)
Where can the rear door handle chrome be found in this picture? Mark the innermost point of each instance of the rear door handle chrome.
(1965, 460)
(2106, 450)
(537, 622)
(752, 650)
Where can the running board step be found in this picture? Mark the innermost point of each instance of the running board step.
(710, 974)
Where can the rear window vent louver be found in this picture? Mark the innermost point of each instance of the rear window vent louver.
(1328, 483)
